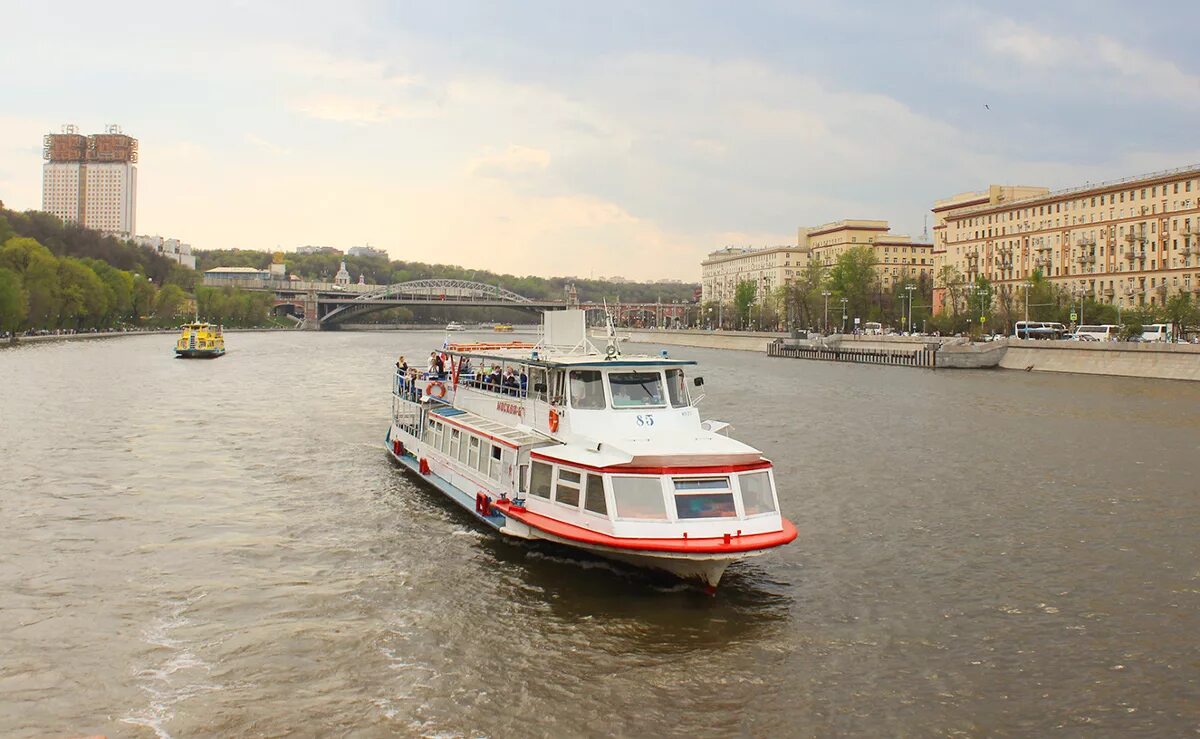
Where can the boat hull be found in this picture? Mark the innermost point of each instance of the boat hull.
(703, 568)
(199, 353)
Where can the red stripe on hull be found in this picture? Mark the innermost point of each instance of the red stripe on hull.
(715, 545)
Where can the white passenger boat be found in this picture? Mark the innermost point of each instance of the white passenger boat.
(589, 449)
(454, 326)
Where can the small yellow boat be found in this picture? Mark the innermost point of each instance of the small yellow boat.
(503, 328)
(200, 341)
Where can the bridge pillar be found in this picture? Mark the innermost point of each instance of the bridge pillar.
(312, 316)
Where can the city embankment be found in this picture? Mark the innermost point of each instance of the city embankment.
(1118, 359)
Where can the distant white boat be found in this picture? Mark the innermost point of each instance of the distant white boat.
(454, 326)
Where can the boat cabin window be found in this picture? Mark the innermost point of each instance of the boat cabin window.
(567, 489)
(636, 389)
(639, 498)
(708, 497)
(539, 480)
(473, 456)
(455, 440)
(594, 498)
(587, 389)
(756, 493)
(464, 449)
(677, 388)
(494, 463)
(538, 379)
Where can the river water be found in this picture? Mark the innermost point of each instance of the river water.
(222, 548)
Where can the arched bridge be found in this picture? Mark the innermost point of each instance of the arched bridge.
(325, 305)
(331, 307)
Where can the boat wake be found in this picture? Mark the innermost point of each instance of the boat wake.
(178, 676)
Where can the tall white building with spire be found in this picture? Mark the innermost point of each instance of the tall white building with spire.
(343, 275)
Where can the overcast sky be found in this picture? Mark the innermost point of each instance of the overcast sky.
(590, 138)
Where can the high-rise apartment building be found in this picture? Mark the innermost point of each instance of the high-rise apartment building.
(1127, 242)
(91, 180)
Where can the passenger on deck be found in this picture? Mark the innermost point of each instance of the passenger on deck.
(402, 366)
(493, 379)
(511, 386)
(524, 382)
(433, 363)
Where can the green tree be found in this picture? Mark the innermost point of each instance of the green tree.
(38, 269)
(853, 277)
(743, 297)
(169, 302)
(1181, 312)
(118, 289)
(143, 298)
(81, 295)
(802, 296)
(14, 302)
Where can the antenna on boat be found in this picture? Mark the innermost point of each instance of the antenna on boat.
(610, 334)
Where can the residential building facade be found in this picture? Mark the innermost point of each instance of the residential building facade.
(91, 180)
(1128, 242)
(172, 249)
(767, 267)
(897, 257)
(366, 251)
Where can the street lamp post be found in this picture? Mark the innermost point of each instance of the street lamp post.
(844, 301)
(826, 293)
(909, 289)
(1026, 286)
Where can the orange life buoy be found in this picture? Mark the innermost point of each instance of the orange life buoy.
(437, 389)
(553, 420)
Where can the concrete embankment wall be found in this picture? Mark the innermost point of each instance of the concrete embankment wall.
(1157, 360)
(747, 341)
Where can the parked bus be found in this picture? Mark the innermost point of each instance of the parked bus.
(1103, 332)
(871, 328)
(1038, 330)
(1157, 332)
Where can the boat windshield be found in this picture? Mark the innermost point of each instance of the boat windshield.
(636, 389)
(587, 390)
(677, 388)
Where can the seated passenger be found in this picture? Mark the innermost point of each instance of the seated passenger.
(509, 382)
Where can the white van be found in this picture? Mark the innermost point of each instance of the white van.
(1157, 332)
(1104, 332)
(870, 328)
